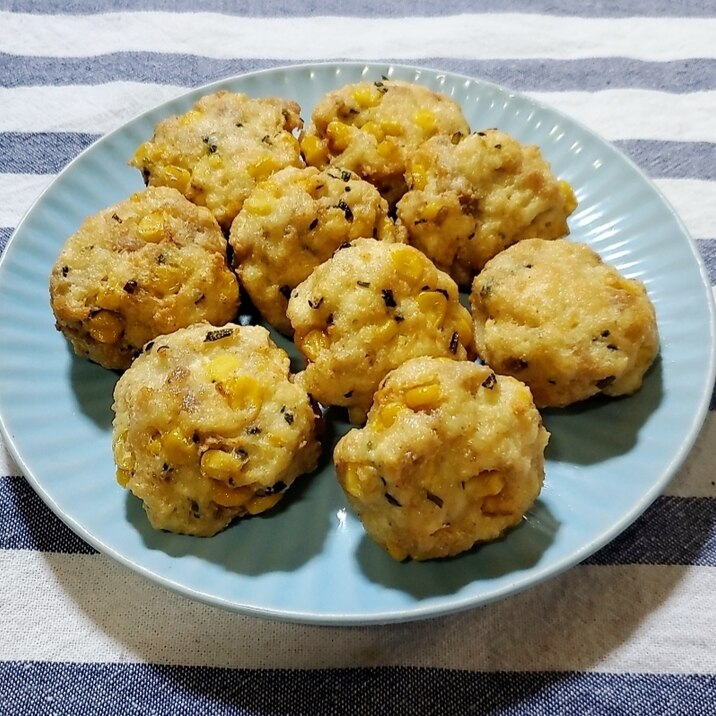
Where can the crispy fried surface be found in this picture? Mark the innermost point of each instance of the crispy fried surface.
(368, 309)
(148, 265)
(293, 222)
(451, 455)
(552, 314)
(209, 427)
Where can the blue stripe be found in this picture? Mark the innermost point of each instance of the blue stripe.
(707, 249)
(5, 234)
(544, 75)
(40, 152)
(676, 160)
(64, 689)
(49, 152)
(674, 530)
(26, 523)
(378, 8)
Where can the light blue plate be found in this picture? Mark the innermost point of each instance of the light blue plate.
(309, 561)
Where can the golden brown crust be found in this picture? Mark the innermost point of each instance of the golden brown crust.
(470, 199)
(552, 314)
(216, 153)
(145, 266)
(451, 455)
(293, 222)
(368, 309)
(209, 426)
(372, 128)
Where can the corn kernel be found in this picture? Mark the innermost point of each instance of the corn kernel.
(259, 202)
(387, 415)
(485, 484)
(495, 505)
(339, 135)
(374, 129)
(433, 210)
(244, 393)
(261, 503)
(176, 177)
(366, 96)
(392, 127)
(409, 263)
(386, 332)
(418, 176)
(178, 449)
(260, 170)
(314, 152)
(123, 457)
(433, 304)
(222, 367)
(154, 445)
(423, 397)
(190, 117)
(389, 150)
(110, 299)
(123, 476)
(464, 328)
(351, 482)
(313, 343)
(221, 465)
(230, 496)
(426, 120)
(106, 326)
(142, 156)
(151, 227)
(570, 200)
(166, 278)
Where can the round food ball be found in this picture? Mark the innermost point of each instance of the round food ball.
(468, 200)
(552, 314)
(294, 221)
(373, 127)
(451, 455)
(209, 426)
(365, 311)
(145, 266)
(216, 152)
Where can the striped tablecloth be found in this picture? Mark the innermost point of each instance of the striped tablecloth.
(633, 632)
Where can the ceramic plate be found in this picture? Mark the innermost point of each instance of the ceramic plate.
(309, 560)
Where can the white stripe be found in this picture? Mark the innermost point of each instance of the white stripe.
(476, 36)
(696, 477)
(17, 192)
(82, 608)
(694, 200)
(639, 114)
(7, 463)
(96, 109)
(615, 114)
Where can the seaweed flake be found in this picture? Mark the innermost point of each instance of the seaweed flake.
(218, 334)
(388, 298)
(434, 498)
(454, 342)
(392, 500)
(345, 209)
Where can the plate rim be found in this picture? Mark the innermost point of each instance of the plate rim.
(420, 609)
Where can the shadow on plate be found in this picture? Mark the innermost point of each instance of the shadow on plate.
(602, 427)
(521, 548)
(282, 539)
(93, 387)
